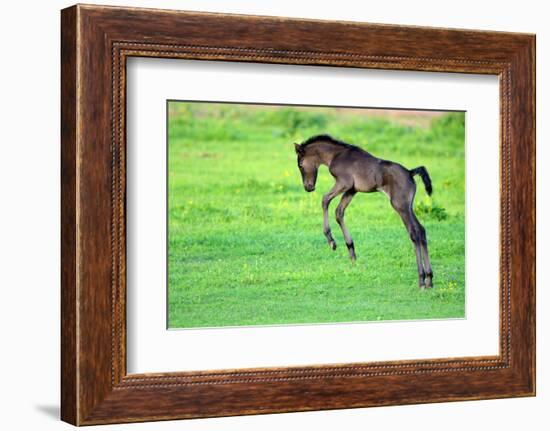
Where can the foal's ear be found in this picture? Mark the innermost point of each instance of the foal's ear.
(298, 148)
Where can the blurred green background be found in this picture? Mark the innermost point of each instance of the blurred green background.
(245, 242)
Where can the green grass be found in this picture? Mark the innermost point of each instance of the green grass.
(245, 241)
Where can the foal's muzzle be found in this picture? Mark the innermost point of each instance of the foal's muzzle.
(309, 187)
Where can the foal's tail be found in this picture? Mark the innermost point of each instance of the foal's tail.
(421, 170)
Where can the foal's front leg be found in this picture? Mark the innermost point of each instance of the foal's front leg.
(335, 191)
(340, 211)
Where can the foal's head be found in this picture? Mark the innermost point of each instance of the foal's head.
(308, 165)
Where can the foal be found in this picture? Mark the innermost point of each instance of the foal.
(355, 170)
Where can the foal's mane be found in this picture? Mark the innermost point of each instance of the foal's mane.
(330, 139)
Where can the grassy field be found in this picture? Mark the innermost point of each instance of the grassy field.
(245, 241)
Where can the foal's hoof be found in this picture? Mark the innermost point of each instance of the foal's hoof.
(332, 245)
(429, 280)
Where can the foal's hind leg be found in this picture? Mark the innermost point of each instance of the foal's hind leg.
(340, 210)
(425, 256)
(416, 233)
(427, 266)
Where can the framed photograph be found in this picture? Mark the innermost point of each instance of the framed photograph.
(263, 214)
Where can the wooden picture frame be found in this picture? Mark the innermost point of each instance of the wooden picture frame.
(95, 43)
